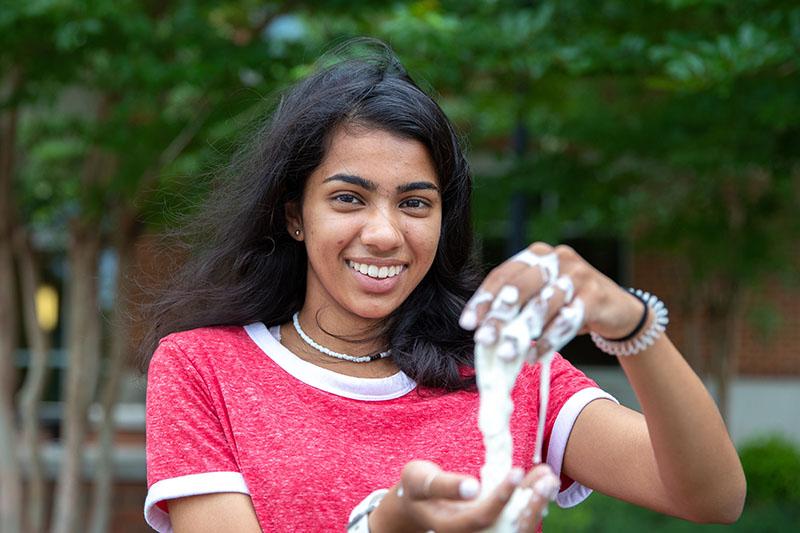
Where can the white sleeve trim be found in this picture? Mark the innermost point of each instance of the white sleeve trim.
(358, 522)
(191, 485)
(575, 493)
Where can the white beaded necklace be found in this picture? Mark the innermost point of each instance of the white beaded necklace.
(314, 344)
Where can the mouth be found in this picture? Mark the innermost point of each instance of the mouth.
(375, 271)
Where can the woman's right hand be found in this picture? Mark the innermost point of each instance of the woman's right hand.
(430, 499)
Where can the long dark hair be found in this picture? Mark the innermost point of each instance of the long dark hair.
(243, 266)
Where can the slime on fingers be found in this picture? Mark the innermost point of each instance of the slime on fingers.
(498, 361)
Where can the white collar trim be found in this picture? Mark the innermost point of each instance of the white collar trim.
(368, 389)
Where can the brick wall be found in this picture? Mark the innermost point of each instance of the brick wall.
(772, 353)
(127, 512)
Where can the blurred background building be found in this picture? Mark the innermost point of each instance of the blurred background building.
(661, 139)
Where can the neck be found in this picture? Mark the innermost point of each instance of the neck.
(341, 334)
(379, 368)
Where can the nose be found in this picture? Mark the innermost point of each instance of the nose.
(381, 232)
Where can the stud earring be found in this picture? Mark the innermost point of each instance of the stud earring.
(297, 233)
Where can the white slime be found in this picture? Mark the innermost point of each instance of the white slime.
(497, 367)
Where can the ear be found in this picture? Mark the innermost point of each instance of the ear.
(294, 220)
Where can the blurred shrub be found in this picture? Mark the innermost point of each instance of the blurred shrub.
(772, 468)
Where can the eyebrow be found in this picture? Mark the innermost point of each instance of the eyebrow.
(372, 186)
(417, 186)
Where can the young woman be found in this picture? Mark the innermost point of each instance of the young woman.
(312, 373)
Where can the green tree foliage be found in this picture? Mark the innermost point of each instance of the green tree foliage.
(673, 123)
(676, 120)
(144, 80)
(771, 466)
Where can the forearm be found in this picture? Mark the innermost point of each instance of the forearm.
(696, 459)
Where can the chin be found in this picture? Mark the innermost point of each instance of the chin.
(374, 312)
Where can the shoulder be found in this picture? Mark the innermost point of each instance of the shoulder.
(203, 345)
(206, 335)
(564, 377)
(558, 367)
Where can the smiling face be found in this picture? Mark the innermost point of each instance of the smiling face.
(371, 217)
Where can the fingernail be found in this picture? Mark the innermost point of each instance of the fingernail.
(516, 475)
(469, 488)
(485, 335)
(507, 350)
(547, 292)
(532, 498)
(468, 320)
(547, 487)
(508, 294)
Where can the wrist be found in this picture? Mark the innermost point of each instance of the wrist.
(621, 314)
(377, 519)
(388, 516)
(360, 515)
(651, 325)
(637, 317)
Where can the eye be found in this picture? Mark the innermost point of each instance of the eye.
(415, 203)
(347, 199)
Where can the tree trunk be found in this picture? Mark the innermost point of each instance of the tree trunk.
(129, 230)
(119, 350)
(10, 485)
(725, 314)
(30, 395)
(83, 353)
(694, 307)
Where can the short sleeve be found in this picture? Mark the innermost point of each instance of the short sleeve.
(187, 449)
(570, 391)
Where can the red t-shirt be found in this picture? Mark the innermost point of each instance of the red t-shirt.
(230, 409)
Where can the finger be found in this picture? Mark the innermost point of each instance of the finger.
(541, 266)
(417, 478)
(424, 480)
(451, 486)
(543, 486)
(565, 325)
(504, 308)
(543, 481)
(531, 320)
(532, 515)
(528, 325)
(469, 316)
(485, 513)
(480, 304)
(454, 487)
(542, 256)
(534, 282)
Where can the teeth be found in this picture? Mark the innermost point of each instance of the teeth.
(375, 271)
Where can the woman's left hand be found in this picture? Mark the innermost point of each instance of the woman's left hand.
(560, 294)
